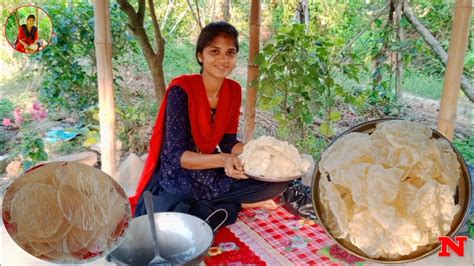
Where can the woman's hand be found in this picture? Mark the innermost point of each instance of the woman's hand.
(238, 148)
(25, 45)
(233, 167)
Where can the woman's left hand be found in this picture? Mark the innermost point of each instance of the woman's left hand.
(233, 167)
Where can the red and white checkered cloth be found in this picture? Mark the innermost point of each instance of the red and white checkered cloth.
(298, 240)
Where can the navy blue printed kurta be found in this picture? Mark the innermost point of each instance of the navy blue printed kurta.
(199, 184)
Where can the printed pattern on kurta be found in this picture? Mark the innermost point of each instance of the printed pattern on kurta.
(200, 184)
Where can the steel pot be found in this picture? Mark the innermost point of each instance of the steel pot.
(462, 197)
(183, 239)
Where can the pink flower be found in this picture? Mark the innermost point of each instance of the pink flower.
(7, 122)
(17, 111)
(37, 106)
(34, 115)
(18, 115)
(43, 115)
(38, 114)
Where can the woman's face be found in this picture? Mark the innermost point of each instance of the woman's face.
(219, 58)
(30, 22)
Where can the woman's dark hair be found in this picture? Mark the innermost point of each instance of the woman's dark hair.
(211, 31)
(31, 16)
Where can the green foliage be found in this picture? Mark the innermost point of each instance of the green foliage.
(382, 96)
(32, 149)
(471, 227)
(91, 137)
(313, 145)
(89, 126)
(6, 108)
(179, 59)
(6, 112)
(419, 84)
(28, 144)
(437, 16)
(281, 14)
(297, 83)
(469, 63)
(69, 79)
(131, 121)
(64, 147)
(11, 30)
(466, 148)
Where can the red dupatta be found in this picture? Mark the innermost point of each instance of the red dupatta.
(28, 37)
(206, 135)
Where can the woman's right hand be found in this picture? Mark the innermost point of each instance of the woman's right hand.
(233, 167)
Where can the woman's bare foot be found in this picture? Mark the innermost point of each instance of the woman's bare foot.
(266, 204)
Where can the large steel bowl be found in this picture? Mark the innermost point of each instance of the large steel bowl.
(183, 239)
(462, 197)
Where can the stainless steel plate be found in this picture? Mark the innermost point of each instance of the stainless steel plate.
(270, 179)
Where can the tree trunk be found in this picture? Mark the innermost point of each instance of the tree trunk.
(437, 48)
(156, 67)
(299, 14)
(198, 12)
(226, 10)
(376, 16)
(180, 18)
(400, 37)
(168, 10)
(222, 10)
(302, 13)
(196, 15)
(154, 60)
(157, 60)
(252, 74)
(380, 57)
(306, 14)
(15, 14)
(213, 13)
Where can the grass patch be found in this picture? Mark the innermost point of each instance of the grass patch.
(466, 148)
(66, 147)
(414, 82)
(422, 85)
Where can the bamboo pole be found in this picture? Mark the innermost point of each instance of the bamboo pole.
(252, 74)
(103, 50)
(454, 68)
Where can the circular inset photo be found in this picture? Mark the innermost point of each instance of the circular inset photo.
(66, 212)
(28, 29)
